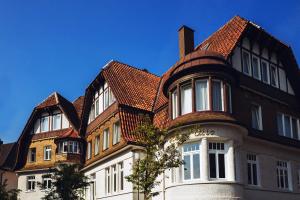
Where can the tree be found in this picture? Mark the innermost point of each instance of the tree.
(68, 183)
(8, 194)
(159, 154)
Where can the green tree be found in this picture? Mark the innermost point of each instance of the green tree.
(8, 194)
(159, 154)
(68, 183)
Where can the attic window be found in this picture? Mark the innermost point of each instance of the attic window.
(102, 99)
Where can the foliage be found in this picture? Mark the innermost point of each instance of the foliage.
(159, 154)
(68, 183)
(8, 194)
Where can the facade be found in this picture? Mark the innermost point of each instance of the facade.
(241, 89)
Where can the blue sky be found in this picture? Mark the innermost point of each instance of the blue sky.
(60, 45)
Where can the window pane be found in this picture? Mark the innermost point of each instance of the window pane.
(273, 76)
(249, 173)
(212, 166)
(221, 166)
(264, 71)
(246, 62)
(255, 67)
(280, 124)
(217, 96)
(106, 98)
(56, 122)
(196, 165)
(187, 167)
(174, 105)
(186, 99)
(255, 117)
(287, 126)
(295, 128)
(201, 95)
(254, 169)
(45, 124)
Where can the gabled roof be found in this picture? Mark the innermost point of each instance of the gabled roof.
(132, 86)
(78, 104)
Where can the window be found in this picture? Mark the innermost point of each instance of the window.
(216, 160)
(287, 126)
(47, 181)
(117, 132)
(30, 183)
(111, 97)
(228, 98)
(282, 175)
(56, 121)
(217, 91)
(47, 153)
(106, 98)
(32, 155)
(65, 147)
(105, 139)
(252, 167)
(89, 150)
(174, 104)
(114, 178)
(68, 147)
(121, 176)
(255, 67)
(201, 95)
(97, 143)
(45, 124)
(186, 99)
(256, 117)
(274, 80)
(107, 182)
(246, 62)
(265, 71)
(191, 158)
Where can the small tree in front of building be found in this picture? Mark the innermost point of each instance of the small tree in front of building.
(159, 154)
(68, 183)
(8, 194)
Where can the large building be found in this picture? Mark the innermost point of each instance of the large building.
(241, 86)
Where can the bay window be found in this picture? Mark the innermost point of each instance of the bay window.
(202, 95)
(186, 99)
(174, 104)
(216, 152)
(217, 95)
(191, 158)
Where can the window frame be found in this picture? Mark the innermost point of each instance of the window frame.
(191, 154)
(283, 125)
(105, 139)
(30, 183)
(221, 94)
(97, 145)
(217, 152)
(253, 162)
(183, 104)
(288, 175)
(267, 72)
(175, 103)
(47, 179)
(260, 120)
(258, 67)
(243, 63)
(47, 152)
(116, 132)
(272, 66)
(207, 100)
(30, 160)
(89, 150)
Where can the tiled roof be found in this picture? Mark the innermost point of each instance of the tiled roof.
(132, 86)
(225, 39)
(71, 133)
(78, 104)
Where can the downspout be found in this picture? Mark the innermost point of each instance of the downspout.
(164, 185)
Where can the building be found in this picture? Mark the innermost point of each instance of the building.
(241, 86)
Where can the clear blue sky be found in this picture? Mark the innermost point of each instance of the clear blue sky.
(60, 45)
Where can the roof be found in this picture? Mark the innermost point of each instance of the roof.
(7, 155)
(132, 86)
(225, 39)
(78, 104)
(70, 134)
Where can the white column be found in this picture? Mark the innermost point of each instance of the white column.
(204, 160)
(230, 160)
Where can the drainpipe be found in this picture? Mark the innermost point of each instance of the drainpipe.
(164, 186)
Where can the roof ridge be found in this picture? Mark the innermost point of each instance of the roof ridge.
(77, 98)
(53, 93)
(137, 68)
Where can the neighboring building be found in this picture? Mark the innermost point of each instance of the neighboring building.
(7, 156)
(241, 86)
(50, 137)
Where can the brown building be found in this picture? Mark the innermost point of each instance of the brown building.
(241, 86)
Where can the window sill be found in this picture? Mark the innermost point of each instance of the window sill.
(30, 191)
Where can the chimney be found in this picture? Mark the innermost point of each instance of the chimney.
(186, 41)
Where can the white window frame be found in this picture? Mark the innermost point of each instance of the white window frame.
(31, 183)
(42, 123)
(47, 180)
(114, 178)
(105, 138)
(121, 176)
(260, 123)
(207, 94)
(280, 168)
(191, 153)
(252, 159)
(183, 103)
(217, 152)
(117, 132)
(258, 63)
(59, 115)
(174, 97)
(243, 63)
(108, 188)
(89, 150)
(291, 126)
(47, 152)
(97, 144)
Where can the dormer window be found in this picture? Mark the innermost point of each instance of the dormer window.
(102, 99)
(208, 94)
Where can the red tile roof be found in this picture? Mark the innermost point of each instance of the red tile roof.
(225, 39)
(132, 86)
(71, 133)
(78, 104)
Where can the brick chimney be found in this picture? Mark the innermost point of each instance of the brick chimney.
(186, 41)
